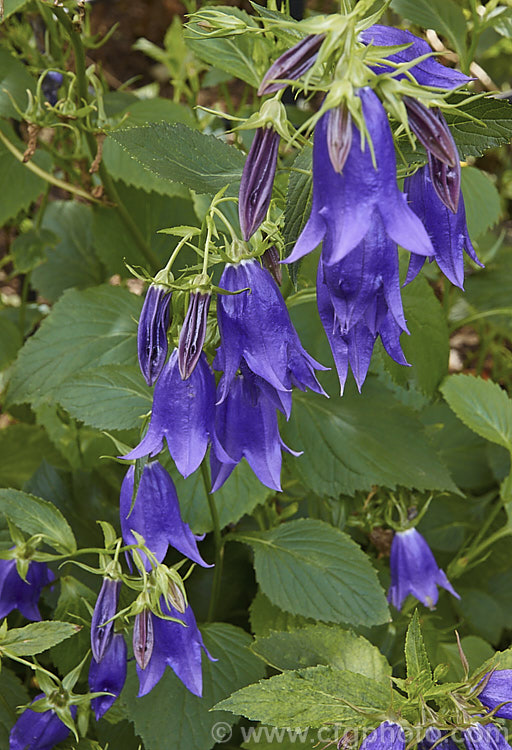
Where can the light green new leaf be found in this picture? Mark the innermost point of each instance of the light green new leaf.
(419, 674)
(309, 568)
(36, 637)
(36, 516)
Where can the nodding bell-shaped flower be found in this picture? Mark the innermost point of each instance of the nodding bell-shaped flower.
(152, 332)
(15, 593)
(256, 330)
(428, 72)
(498, 689)
(291, 65)
(143, 638)
(156, 515)
(345, 205)
(182, 414)
(246, 427)
(339, 136)
(176, 645)
(433, 737)
(484, 737)
(414, 571)
(51, 84)
(445, 181)
(387, 736)
(257, 180)
(193, 333)
(38, 731)
(104, 609)
(432, 131)
(448, 231)
(108, 676)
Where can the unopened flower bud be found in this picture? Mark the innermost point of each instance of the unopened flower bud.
(270, 259)
(432, 131)
(292, 64)
(193, 333)
(339, 137)
(143, 638)
(257, 180)
(51, 84)
(105, 609)
(152, 332)
(175, 597)
(446, 182)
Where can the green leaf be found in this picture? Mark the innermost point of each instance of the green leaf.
(482, 613)
(72, 262)
(360, 440)
(12, 695)
(310, 698)
(10, 341)
(323, 644)
(482, 405)
(36, 516)
(177, 153)
(489, 289)
(23, 447)
(85, 329)
(476, 650)
(73, 605)
(427, 348)
(190, 722)
(112, 397)
(266, 617)
(493, 129)
(481, 201)
(298, 197)
(444, 16)
(36, 637)
(30, 249)
(502, 23)
(14, 82)
(419, 674)
(312, 569)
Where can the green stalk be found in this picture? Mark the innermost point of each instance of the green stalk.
(219, 547)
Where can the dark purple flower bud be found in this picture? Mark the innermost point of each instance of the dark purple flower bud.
(271, 261)
(246, 426)
(15, 593)
(448, 231)
(51, 84)
(432, 131)
(339, 137)
(292, 64)
(446, 182)
(152, 332)
(484, 737)
(387, 736)
(156, 515)
(414, 571)
(108, 676)
(38, 731)
(182, 414)
(193, 333)
(143, 638)
(177, 646)
(432, 736)
(257, 180)
(498, 689)
(105, 609)
(427, 73)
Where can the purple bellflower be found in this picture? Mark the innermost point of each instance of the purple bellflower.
(257, 180)
(433, 735)
(387, 736)
(498, 689)
(344, 205)
(359, 298)
(182, 414)
(15, 593)
(431, 129)
(246, 426)
(38, 731)
(428, 72)
(143, 638)
(415, 571)
(109, 676)
(104, 609)
(484, 737)
(292, 64)
(51, 84)
(193, 333)
(256, 329)
(152, 332)
(448, 231)
(177, 646)
(156, 515)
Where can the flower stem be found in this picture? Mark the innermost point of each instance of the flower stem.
(219, 547)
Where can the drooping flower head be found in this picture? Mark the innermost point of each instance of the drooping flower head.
(156, 515)
(15, 593)
(109, 676)
(415, 571)
(498, 689)
(152, 332)
(387, 736)
(257, 180)
(484, 737)
(246, 427)
(104, 609)
(359, 299)
(256, 329)
(432, 737)
(344, 205)
(292, 64)
(193, 333)
(448, 231)
(182, 414)
(38, 731)
(176, 646)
